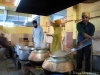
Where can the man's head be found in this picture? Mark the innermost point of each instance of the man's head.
(35, 23)
(63, 25)
(57, 23)
(85, 17)
(1, 35)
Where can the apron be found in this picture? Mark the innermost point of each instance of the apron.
(57, 38)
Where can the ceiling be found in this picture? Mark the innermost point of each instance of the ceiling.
(11, 16)
(90, 1)
(61, 13)
(29, 6)
(45, 7)
(9, 5)
(18, 20)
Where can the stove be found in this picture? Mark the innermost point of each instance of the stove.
(57, 73)
(96, 53)
(36, 63)
(37, 71)
(40, 71)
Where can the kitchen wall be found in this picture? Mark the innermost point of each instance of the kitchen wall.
(17, 29)
(74, 13)
(15, 34)
(1, 28)
(94, 10)
(43, 20)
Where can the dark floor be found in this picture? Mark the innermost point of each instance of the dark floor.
(7, 67)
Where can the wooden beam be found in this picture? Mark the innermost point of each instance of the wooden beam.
(7, 3)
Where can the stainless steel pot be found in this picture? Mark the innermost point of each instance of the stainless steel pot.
(17, 49)
(59, 64)
(39, 55)
(24, 52)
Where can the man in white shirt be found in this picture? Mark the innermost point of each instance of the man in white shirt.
(38, 35)
(63, 38)
(50, 31)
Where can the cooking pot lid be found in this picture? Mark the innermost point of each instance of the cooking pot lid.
(25, 48)
(40, 51)
(38, 48)
(58, 53)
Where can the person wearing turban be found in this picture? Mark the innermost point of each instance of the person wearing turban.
(87, 14)
(4, 46)
(85, 33)
(57, 36)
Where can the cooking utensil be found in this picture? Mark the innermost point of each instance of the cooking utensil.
(74, 49)
(60, 63)
(80, 47)
(39, 54)
(24, 51)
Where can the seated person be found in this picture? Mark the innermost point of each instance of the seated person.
(4, 45)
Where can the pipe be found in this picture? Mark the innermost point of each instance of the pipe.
(80, 19)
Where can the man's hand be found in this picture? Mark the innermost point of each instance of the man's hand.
(96, 38)
(87, 36)
(32, 39)
(81, 43)
(48, 35)
(42, 41)
(93, 38)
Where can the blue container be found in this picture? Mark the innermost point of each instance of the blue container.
(96, 63)
(14, 48)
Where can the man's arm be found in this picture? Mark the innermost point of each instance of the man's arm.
(91, 32)
(87, 36)
(82, 31)
(32, 39)
(86, 39)
(32, 35)
(42, 34)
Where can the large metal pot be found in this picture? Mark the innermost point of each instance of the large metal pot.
(15, 48)
(58, 64)
(39, 55)
(18, 47)
(24, 52)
